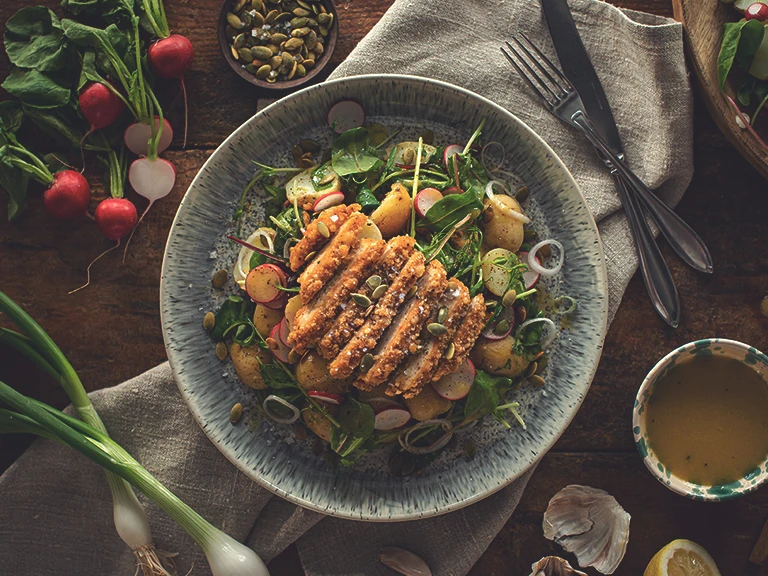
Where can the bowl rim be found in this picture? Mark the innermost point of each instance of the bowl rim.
(330, 46)
(674, 482)
(532, 460)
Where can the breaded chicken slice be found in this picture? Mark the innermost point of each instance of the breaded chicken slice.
(384, 310)
(313, 319)
(351, 317)
(400, 338)
(329, 258)
(466, 335)
(418, 368)
(312, 240)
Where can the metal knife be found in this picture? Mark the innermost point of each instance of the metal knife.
(579, 70)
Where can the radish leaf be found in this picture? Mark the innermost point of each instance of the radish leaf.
(34, 40)
(36, 89)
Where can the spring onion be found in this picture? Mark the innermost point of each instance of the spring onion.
(280, 419)
(501, 207)
(538, 268)
(545, 340)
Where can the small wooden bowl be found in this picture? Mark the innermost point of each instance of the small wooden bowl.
(703, 25)
(329, 46)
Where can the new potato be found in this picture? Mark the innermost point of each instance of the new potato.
(498, 357)
(503, 230)
(318, 423)
(394, 212)
(247, 361)
(312, 374)
(264, 319)
(427, 404)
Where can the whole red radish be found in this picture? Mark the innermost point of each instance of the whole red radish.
(170, 58)
(116, 217)
(68, 196)
(99, 105)
(757, 11)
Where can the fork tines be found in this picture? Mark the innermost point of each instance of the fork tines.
(538, 71)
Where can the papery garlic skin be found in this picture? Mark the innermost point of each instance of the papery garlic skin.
(554, 566)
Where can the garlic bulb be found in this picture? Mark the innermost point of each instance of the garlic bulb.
(591, 524)
(554, 566)
(404, 562)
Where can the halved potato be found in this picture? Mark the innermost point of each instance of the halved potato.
(405, 153)
(312, 374)
(498, 357)
(394, 212)
(503, 230)
(495, 278)
(427, 404)
(318, 423)
(265, 319)
(247, 361)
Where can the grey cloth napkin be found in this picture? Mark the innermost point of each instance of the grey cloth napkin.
(55, 513)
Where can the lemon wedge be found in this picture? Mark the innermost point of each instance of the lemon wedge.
(682, 558)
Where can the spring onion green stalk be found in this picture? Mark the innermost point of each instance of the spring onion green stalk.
(474, 136)
(226, 556)
(130, 519)
(415, 188)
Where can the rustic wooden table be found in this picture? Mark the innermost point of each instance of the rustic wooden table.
(111, 331)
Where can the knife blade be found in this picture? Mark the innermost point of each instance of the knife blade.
(579, 70)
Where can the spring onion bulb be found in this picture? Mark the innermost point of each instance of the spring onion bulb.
(546, 339)
(280, 419)
(538, 268)
(501, 207)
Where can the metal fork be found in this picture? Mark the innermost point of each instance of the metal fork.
(561, 99)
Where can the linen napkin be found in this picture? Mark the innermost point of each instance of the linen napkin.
(55, 513)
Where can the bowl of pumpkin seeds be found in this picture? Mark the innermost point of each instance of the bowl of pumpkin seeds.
(278, 44)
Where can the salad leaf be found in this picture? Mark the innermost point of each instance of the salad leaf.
(740, 42)
(451, 209)
(54, 122)
(485, 395)
(353, 153)
(35, 40)
(318, 174)
(277, 378)
(367, 199)
(15, 182)
(36, 89)
(11, 116)
(356, 422)
(234, 310)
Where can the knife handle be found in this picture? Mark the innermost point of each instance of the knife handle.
(683, 239)
(759, 553)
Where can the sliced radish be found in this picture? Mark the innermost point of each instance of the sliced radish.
(137, 135)
(262, 283)
(450, 151)
(451, 190)
(276, 304)
(327, 200)
(425, 199)
(456, 385)
(406, 166)
(278, 348)
(496, 278)
(153, 179)
(284, 330)
(326, 397)
(291, 307)
(345, 115)
(391, 417)
(507, 314)
(530, 278)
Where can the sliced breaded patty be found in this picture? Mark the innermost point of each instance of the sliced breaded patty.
(313, 319)
(384, 310)
(418, 368)
(329, 258)
(312, 240)
(466, 335)
(351, 317)
(400, 338)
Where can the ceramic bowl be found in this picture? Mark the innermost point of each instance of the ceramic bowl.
(270, 454)
(710, 346)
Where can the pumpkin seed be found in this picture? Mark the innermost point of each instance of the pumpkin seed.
(272, 344)
(428, 136)
(257, 4)
(247, 19)
(409, 156)
(246, 54)
(537, 381)
(436, 329)
(310, 256)
(522, 194)
(293, 44)
(531, 370)
(323, 31)
(299, 431)
(257, 20)
(545, 251)
(285, 67)
(396, 463)
(209, 321)
(275, 61)
(219, 279)
(263, 71)
(296, 151)
(305, 5)
(322, 9)
(310, 40)
(221, 351)
(411, 292)
(442, 314)
(235, 55)
(274, 49)
(323, 229)
(374, 282)
(509, 298)
(366, 363)
(300, 32)
(284, 17)
(312, 23)
(327, 179)
(272, 77)
(306, 159)
(361, 299)
(293, 356)
(239, 5)
(312, 146)
(530, 235)
(239, 41)
(538, 355)
(470, 449)
(331, 458)
(502, 326)
(520, 314)
(379, 291)
(261, 52)
(330, 20)
(541, 365)
(450, 351)
(230, 32)
(271, 15)
(488, 214)
(251, 69)
(234, 21)
(302, 12)
(298, 23)
(319, 48)
(323, 19)
(317, 446)
(308, 63)
(236, 413)
(300, 73)
(277, 38)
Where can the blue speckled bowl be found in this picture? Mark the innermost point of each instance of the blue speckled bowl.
(270, 454)
(730, 349)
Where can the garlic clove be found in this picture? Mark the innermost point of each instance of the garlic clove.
(554, 566)
(403, 561)
(591, 524)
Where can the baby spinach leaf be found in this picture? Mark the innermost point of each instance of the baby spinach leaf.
(15, 182)
(740, 42)
(277, 378)
(366, 199)
(485, 395)
(451, 209)
(36, 89)
(234, 310)
(353, 154)
(356, 422)
(34, 40)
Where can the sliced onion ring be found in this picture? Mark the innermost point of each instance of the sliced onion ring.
(405, 437)
(546, 340)
(503, 209)
(482, 156)
(275, 417)
(538, 268)
(287, 247)
(562, 301)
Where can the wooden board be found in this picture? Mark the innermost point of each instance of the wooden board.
(703, 23)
